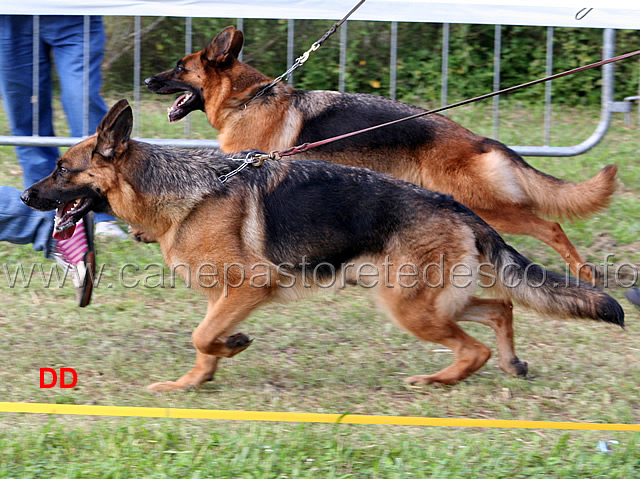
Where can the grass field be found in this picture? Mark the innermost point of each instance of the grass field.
(333, 353)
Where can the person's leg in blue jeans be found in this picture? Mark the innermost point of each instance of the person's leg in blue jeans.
(64, 34)
(18, 223)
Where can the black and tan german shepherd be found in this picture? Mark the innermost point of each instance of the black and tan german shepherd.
(432, 151)
(274, 232)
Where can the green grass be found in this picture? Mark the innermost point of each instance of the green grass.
(135, 448)
(332, 353)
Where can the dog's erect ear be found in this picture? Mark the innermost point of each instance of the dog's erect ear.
(225, 46)
(114, 131)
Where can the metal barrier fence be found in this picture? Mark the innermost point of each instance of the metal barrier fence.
(608, 106)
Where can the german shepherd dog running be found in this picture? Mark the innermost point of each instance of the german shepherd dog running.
(432, 151)
(258, 237)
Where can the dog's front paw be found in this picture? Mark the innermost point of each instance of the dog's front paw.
(169, 386)
(237, 343)
(238, 340)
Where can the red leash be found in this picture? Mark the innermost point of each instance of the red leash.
(276, 155)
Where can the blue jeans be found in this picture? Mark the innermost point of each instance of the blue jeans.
(62, 37)
(21, 225)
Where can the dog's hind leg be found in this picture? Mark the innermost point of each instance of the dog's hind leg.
(422, 318)
(498, 315)
(519, 221)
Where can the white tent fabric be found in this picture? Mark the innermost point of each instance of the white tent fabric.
(612, 14)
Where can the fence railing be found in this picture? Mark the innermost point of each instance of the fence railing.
(608, 106)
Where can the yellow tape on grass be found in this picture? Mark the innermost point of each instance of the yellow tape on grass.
(219, 414)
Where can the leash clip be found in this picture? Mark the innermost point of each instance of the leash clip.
(259, 159)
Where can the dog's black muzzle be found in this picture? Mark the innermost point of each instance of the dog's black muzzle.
(32, 199)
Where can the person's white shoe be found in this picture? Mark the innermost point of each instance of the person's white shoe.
(110, 229)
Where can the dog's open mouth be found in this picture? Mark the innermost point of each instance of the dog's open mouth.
(68, 215)
(184, 105)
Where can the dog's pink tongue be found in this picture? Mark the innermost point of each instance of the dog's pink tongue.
(64, 234)
(176, 103)
(175, 107)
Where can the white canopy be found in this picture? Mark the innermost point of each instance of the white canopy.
(613, 13)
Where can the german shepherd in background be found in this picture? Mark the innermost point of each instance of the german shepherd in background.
(332, 219)
(432, 151)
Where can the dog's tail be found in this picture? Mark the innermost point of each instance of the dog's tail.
(544, 291)
(556, 198)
